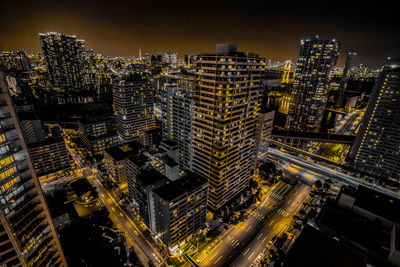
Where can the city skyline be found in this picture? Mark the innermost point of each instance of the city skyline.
(199, 133)
(272, 31)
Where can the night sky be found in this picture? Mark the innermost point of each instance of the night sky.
(272, 30)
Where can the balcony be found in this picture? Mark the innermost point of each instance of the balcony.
(5, 115)
(34, 256)
(11, 152)
(6, 128)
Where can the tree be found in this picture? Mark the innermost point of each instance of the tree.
(318, 184)
(266, 169)
(326, 186)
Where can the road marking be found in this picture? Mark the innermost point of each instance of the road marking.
(244, 254)
(264, 239)
(248, 228)
(218, 260)
(270, 222)
(250, 255)
(260, 236)
(274, 226)
(213, 256)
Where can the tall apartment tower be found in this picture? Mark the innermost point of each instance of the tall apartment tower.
(350, 61)
(376, 150)
(66, 61)
(310, 89)
(134, 104)
(177, 122)
(226, 113)
(27, 233)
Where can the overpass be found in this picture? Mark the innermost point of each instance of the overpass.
(326, 172)
(336, 111)
(304, 152)
(316, 137)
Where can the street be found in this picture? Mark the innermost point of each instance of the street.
(143, 248)
(228, 241)
(133, 233)
(346, 126)
(275, 226)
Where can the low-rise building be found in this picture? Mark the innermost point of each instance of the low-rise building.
(98, 134)
(114, 159)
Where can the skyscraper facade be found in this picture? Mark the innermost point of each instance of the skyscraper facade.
(376, 150)
(226, 107)
(177, 122)
(311, 85)
(66, 61)
(27, 234)
(134, 104)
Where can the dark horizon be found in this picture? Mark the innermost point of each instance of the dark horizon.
(271, 31)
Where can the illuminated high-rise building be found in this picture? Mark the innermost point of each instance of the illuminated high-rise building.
(310, 89)
(376, 150)
(177, 122)
(134, 104)
(15, 60)
(350, 61)
(27, 233)
(66, 61)
(226, 114)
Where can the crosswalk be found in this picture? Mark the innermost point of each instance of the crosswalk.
(232, 241)
(259, 216)
(283, 213)
(280, 191)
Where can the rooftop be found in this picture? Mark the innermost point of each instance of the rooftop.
(138, 160)
(188, 183)
(169, 143)
(170, 161)
(121, 152)
(109, 134)
(131, 77)
(229, 50)
(313, 248)
(375, 202)
(48, 141)
(150, 176)
(355, 229)
(94, 119)
(28, 116)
